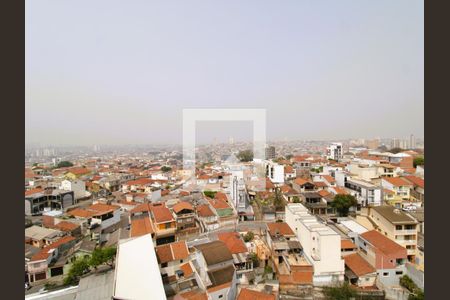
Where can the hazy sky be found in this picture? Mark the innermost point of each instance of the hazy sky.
(116, 72)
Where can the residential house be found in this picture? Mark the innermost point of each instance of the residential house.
(164, 222)
(39, 266)
(77, 172)
(366, 193)
(303, 185)
(40, 237)
(176, 271)
(208, 219)
(401, 188)
(397, 226)
(359, 272)
(417, 191)
(289, 173)
(99, 214)
(186, 218)
(214, 264)
(223, 210)
(348, 247)
(242, 262)
(385, 255)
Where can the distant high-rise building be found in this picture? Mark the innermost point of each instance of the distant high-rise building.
(412, 141)
(270, 152)
(335, 151)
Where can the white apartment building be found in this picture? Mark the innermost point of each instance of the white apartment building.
(335, 151)
(274, 171)
(366, 193)
(321, 244)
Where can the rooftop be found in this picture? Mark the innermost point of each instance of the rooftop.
(394, 215)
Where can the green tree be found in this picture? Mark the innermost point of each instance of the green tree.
(411, 286)
(340, 292)
(64, 164)
(295, 199)
(278, 199)
(210, 194)
(166, 169)
(245, 155)
(396, 150)
(249, 236)
(254, 258)
(78, 268)
(342, 203)
(419, 161)
(102, 255)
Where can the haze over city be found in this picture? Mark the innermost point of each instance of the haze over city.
(119, 74)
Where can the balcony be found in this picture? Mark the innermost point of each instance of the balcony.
(406, 242)
(406, 231)
(165, 232)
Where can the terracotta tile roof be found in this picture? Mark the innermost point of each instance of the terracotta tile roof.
(144, 207)
(218, 204)
(184, 193)
(44, 253)
(66, 226)
(93, 210)
(382, 243)
(203, 177)
(329, 178)
(340, 191)
(323, 193)
(215, 252)
(269, 184)
(81, 213)
(288, 169)
(219, 287)
(387, 191)
(33, 191)
(182, 205)
(172, 251)
(397, 181)
(141, 226)
(417, 181)
(358, 265)
(191, 295)
(221, 196)
(301, 181)
(320, 184)
(204, 211)
(247, 294)
(348, 244)
(141, 181)
(297, 278)
(103, 208)
(161, 214)
(187, 269)
(78, 170)
(281, 227)
(233, 242)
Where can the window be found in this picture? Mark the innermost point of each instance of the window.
(398, 227)
(163, 265)
(220, 296)
(398, 272)
(385, 274)
(181, 261)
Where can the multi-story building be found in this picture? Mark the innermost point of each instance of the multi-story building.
(385, 255)
(274, 172)
(321, 245)
(400, 187)
(37, 200)
(270, 152)
(397, 226)
(366, 193)
(335, 151)
(185, 216)
(77, 186)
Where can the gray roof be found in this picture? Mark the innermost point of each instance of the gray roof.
(215, 252)
(221, 276)
(96, 287)
(394, 215)
(38, 233)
